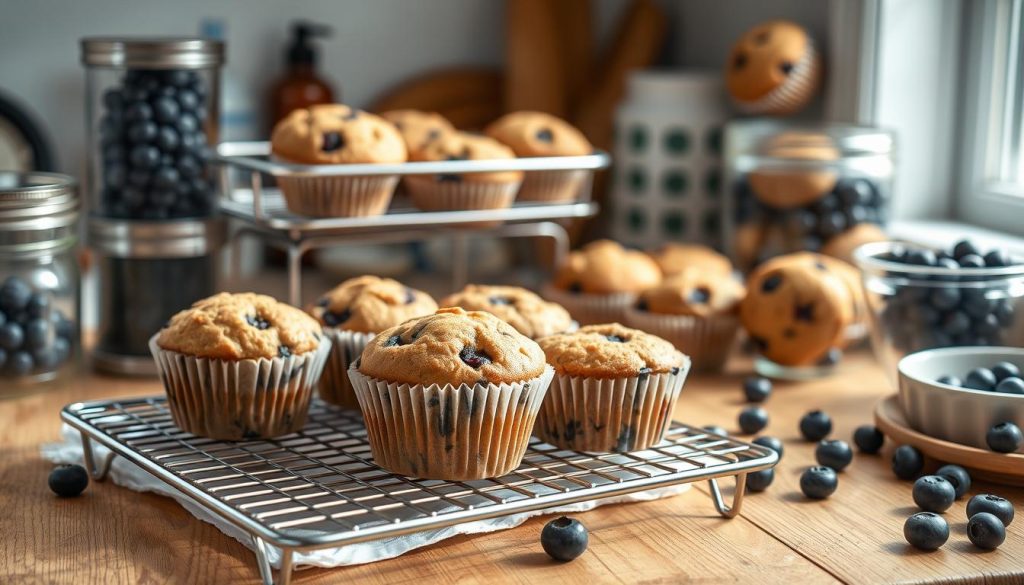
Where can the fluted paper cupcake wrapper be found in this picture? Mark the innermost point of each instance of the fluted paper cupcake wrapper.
(707, 340)
(346, 347)
(609, 415)
(449, 432)
(794, 93)
(236, 400)
(429, 194)
(347, 196)
(552, 186)
(591, 309)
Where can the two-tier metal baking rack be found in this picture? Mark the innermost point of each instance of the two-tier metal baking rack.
(319, 488)
(260, 210)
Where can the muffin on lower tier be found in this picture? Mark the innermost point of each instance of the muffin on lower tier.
(523, 309)
(601, 280)
(614, 389)
(351, 315)
(696, 310)
(240, 366)
(450, 396)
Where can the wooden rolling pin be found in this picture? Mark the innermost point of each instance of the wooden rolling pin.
(534, 76)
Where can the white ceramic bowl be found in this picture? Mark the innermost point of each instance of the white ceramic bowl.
(951, 413)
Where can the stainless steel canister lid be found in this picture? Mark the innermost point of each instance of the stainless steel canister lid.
(156, 239)
(152, 52)
(37, 209)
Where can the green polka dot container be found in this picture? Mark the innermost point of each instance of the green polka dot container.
(668, 169)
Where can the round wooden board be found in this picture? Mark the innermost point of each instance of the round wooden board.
(1001, 468)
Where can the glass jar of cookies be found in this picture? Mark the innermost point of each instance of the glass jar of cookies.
(151, 121)
(793, 188)
(39, 282)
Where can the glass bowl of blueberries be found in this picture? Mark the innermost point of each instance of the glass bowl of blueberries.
(921, 299)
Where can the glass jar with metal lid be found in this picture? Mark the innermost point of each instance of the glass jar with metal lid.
(39, 277)
(151, 120)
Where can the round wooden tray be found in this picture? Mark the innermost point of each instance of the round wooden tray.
(995, 467)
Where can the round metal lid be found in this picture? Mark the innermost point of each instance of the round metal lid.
(152, 52)
(185, 238)
(37, 200)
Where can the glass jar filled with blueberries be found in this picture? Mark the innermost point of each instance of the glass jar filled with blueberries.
(39, 283)
(151, 120)
(793, 188)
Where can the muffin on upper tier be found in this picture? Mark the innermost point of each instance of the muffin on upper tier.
(240, 366)
(418, 128)
(523, 309)
(452, 395)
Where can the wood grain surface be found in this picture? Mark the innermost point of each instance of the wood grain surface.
(113, 535)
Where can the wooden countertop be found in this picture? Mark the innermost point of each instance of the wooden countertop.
(113, 535)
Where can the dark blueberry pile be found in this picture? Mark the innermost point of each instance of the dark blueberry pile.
(925, 315)
(35, 337)
(154, 147)
(1004, 377)
(851, 202)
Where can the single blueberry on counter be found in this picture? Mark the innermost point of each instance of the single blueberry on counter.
(758, 481)
(815, 425)
(819, 482)
(833, 453)
(753, 419)
(868, 439)
(907, 462)
(757, 389)
(68, 481)
(957, 477)
(771, 443)
(986, 531)
(926, 531)
(564, 538)
(1004, 437)
(933, 493)
(999, 507)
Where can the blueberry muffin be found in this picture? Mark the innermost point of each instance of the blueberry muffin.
(696, 310)
(491, 190)
(523, 309)
(531, 134)
(614, 389)
(451, 396)
(598, 282)
(331, 135)
(801, 171)
(418, 128)
(674, 258)
(351, 314)
(240, 366)
(851, 278)
(795, 311)
(773, 69)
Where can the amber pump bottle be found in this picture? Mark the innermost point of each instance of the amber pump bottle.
(301, 85)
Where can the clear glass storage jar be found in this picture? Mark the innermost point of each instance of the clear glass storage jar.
(790, 188)
(39, 278)
(151, 122)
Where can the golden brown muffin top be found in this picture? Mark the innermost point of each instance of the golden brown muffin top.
(611, 351)
(455, 347)
(694, 292)
(336, 134)
(418, 128)
(538, 134)
(764, 57)
(605, 267)
(369, 304)
(674, 258)
(466, 146)
(239, 327)
(523, 309)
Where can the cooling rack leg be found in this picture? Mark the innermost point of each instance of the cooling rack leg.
(98, 473)
(284, 574)
(737, 496)
(295, 275)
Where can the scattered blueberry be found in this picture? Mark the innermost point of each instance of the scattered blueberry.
(1010, 386)
(753, 419)
(771, 443)
(815, 425)
(1004, 370)
(819, 482)
(564, 538)
(1004, 437)
(980, 379)
(758, 481)
(957, 477)
(68, 481)
(986, 531)
(757, 389)
(926, 531)
(716, 430)
(999, 507)
(868, 439)
(833, 453)
(933, 493)
(907, 462)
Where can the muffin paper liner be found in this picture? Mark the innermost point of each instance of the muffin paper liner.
(346, 347)
(429, 194)
(552, 186)
(707, 340)
(591, 309)
(794, 93)
(609, 415)
(317, 196)
(449, 432)
(236, 400)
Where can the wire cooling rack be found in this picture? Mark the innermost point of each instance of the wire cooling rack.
(320, 488)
